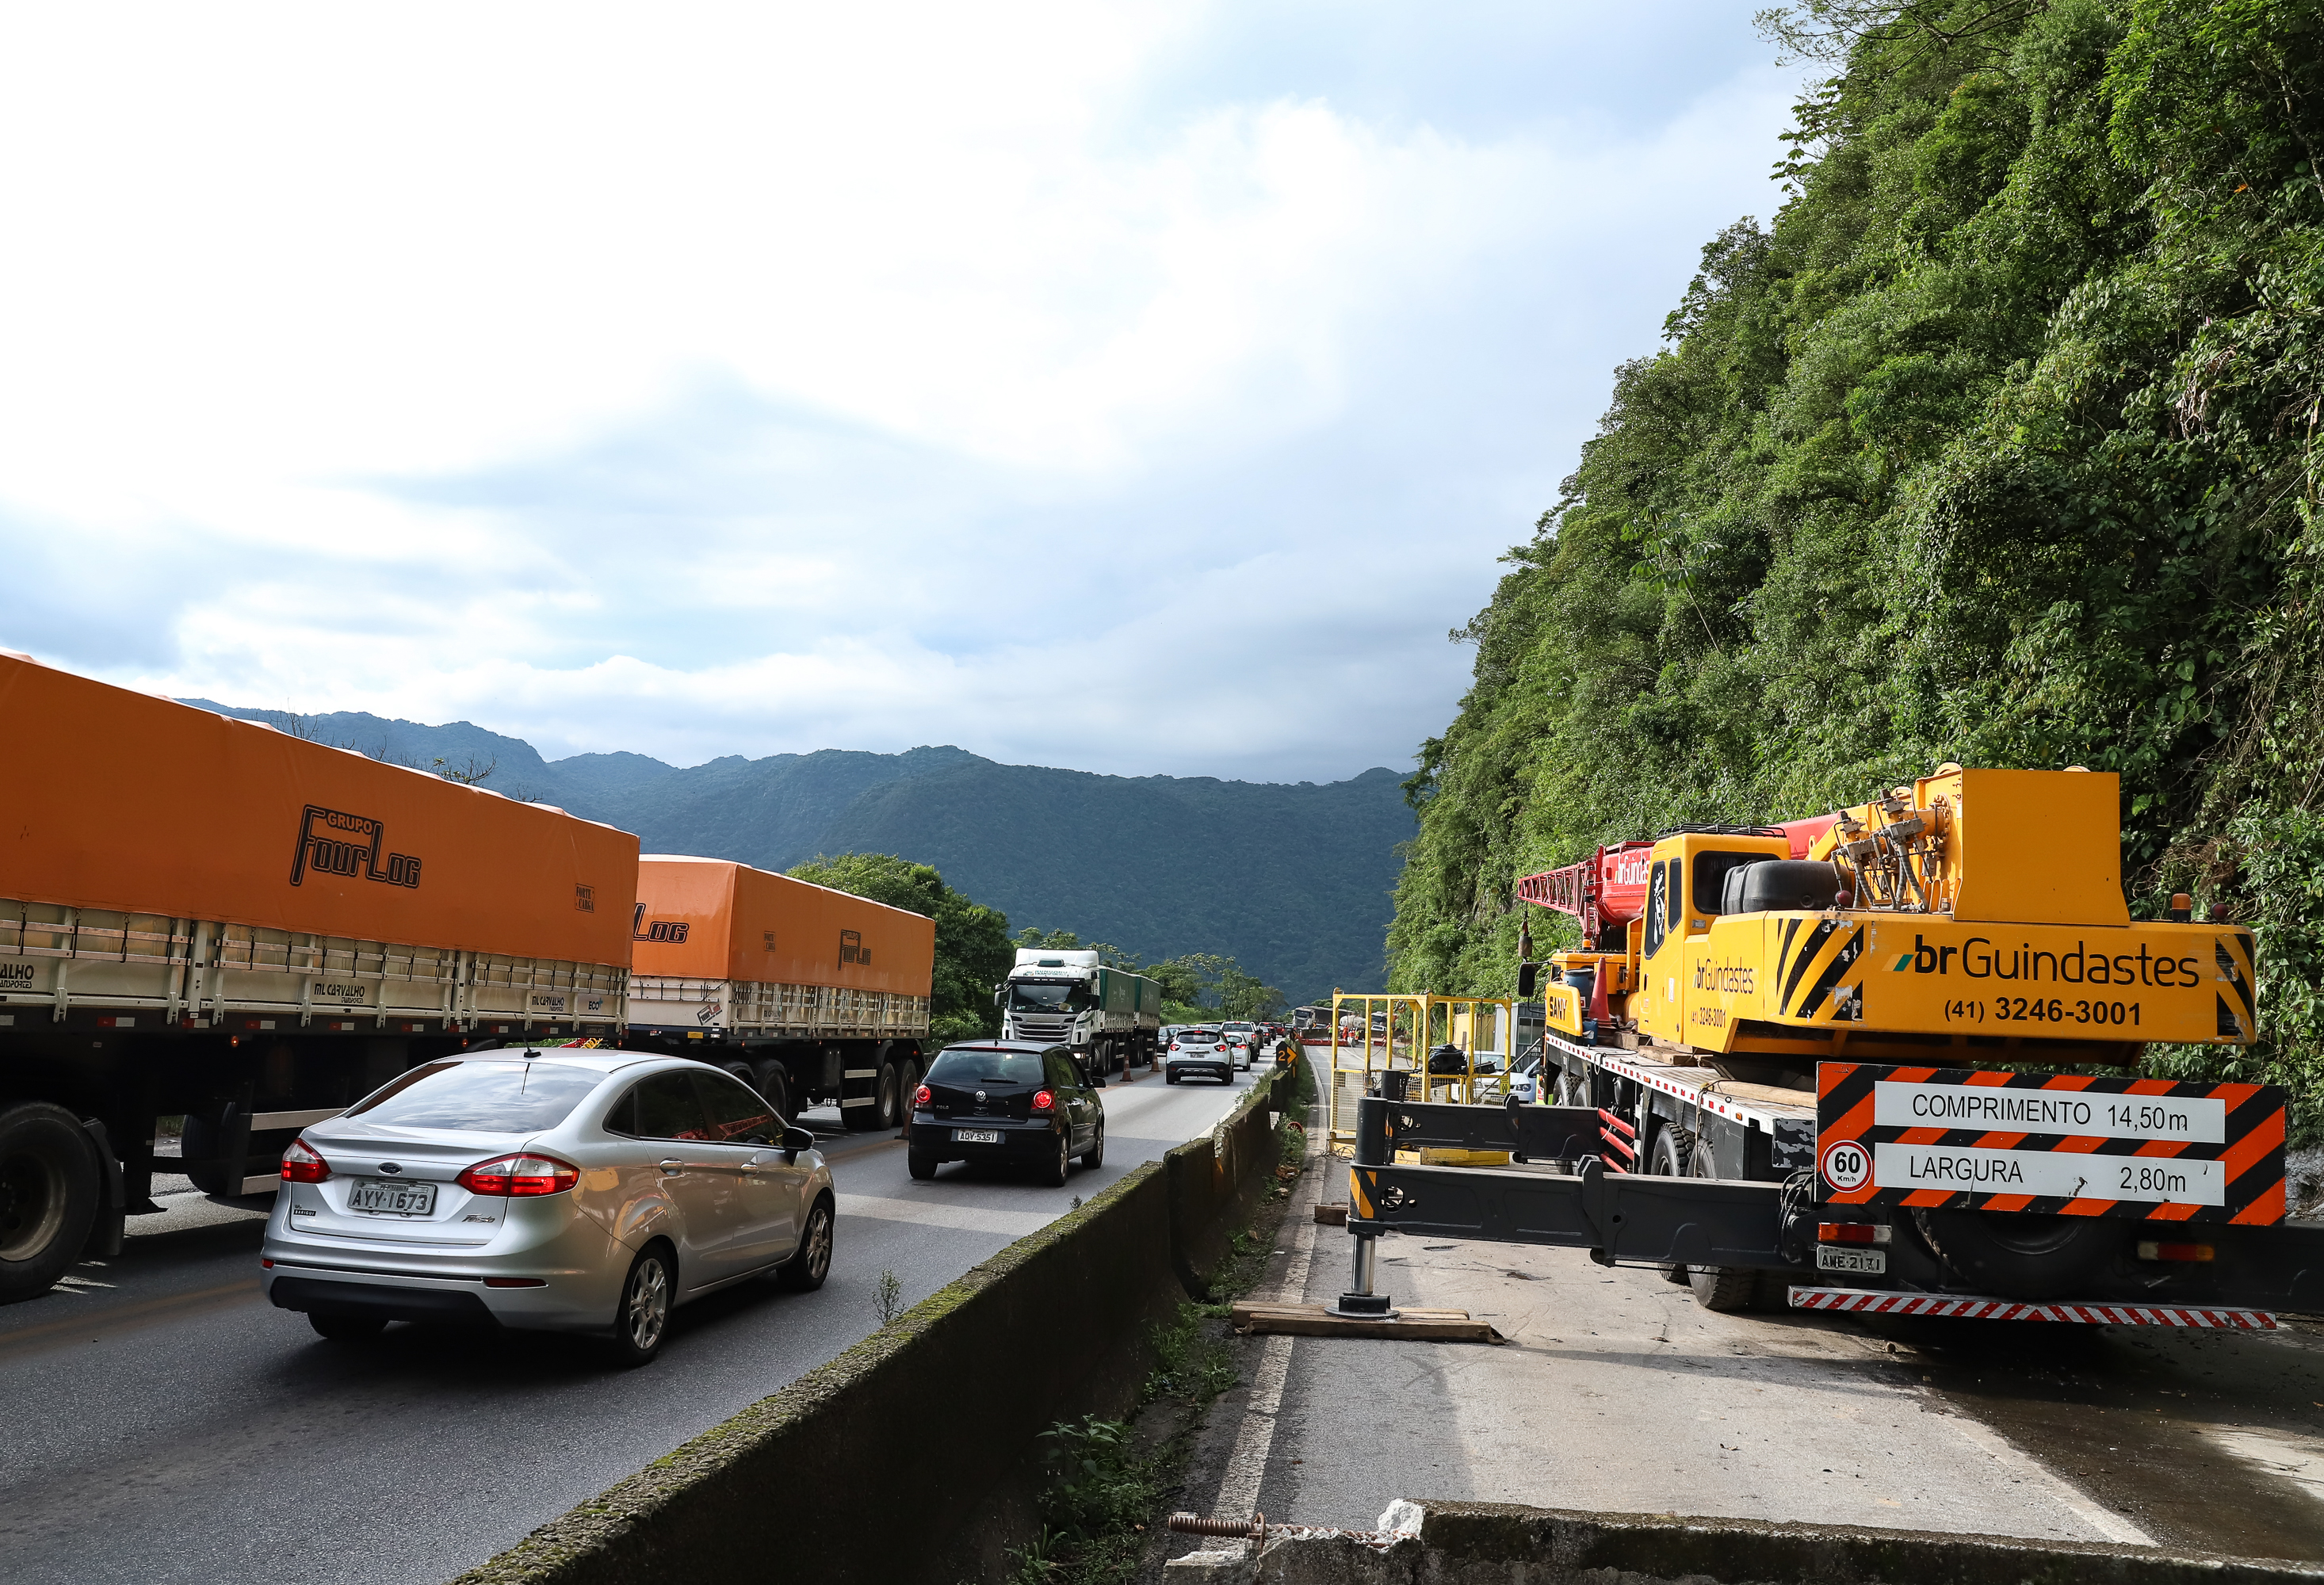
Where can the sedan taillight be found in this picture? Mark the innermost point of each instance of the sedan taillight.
(1043, 1102)
(519, 1177)
(301, 1164)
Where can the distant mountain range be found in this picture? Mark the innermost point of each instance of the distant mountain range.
(1291, 881)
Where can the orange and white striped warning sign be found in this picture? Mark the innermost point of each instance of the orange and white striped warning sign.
(2057, 1144)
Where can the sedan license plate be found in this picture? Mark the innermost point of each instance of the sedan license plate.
(1872, 1262)
(384, 1197)
(977, 1135)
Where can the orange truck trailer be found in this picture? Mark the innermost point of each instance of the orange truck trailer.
(812, 995)
(206, 917)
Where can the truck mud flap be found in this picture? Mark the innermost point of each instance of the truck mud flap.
(1617, 1217)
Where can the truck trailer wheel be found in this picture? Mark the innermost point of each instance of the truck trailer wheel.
(773, 1081)
(49, 1190)
(2016, 1257)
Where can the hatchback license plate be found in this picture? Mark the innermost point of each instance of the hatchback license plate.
(1872, 1262)
(977, 1135)
(384, 1197)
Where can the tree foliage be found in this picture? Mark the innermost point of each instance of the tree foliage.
(1999, 443)
(972, 950)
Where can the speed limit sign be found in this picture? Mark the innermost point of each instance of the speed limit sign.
(1846, 1165)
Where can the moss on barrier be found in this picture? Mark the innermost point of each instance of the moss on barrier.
(843, 1453)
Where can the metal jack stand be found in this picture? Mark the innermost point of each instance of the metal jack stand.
(1373, 1148)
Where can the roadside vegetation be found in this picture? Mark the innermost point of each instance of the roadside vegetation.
(2003, 442)
(1111, 1483)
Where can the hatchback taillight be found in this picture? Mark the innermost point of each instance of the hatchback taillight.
(921, 1097)
(301, 1164)
(1043, 1102)
(519, 1176)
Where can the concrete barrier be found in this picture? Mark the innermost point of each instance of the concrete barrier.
(842, 1476)
(1215, 1180)
(1461, 1543)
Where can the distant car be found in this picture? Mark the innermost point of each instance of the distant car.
(1010, 1103)
(1244, 1038)
(563, 1189)
(1524, 1081)
(1197, 1050)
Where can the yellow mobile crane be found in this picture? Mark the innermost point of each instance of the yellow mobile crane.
(1830, 1033)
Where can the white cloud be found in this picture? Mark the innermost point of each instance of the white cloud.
(735, 379)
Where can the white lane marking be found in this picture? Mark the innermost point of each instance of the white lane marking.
(1255, 1440)
(2110, 1524)
(972, 1219)
(2297, 1458)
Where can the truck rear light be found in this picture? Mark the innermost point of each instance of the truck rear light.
(519, 1176)
(1853, 1232)
(2189, 1253)
(1043, 1102)
(921, 1097)
(301, 1164)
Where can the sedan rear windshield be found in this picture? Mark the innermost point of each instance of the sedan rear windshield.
(481, 1097)
(970, 1067)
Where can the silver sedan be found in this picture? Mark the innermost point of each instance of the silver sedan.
(568, 1189)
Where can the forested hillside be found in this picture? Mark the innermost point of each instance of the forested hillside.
(1999, 443)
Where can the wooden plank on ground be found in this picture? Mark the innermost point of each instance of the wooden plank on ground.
(1452, 1326)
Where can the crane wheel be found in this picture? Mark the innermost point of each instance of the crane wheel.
(2017, 1257)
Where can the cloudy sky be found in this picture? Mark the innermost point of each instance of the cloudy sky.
(1136, 388)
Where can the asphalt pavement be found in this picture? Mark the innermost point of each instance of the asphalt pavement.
(1617, 1392)
(167, 1424)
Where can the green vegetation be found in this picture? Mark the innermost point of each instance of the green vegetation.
(1108, 1484)
(2001, 445)
(1196, 985)
(973, 951)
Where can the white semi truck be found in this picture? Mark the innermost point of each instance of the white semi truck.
(1110, 1017)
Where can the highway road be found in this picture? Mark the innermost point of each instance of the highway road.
(167, 1424)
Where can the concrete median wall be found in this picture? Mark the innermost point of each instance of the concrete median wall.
(841, 1476)
(1213, 1183)
(1460, 1544)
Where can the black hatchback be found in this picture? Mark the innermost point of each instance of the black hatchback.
(1010, 1102)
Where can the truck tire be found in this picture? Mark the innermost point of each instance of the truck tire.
(1724, 1287)
(887, 1108)
(1572, 1085)
(1672, 1149)
(1717, 1287)
(2016, 1257)
(908, 1086)
(50, 1185)
(773, 1081)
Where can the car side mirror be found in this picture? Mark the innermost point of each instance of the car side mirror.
(1528, 977)
(797, 1138)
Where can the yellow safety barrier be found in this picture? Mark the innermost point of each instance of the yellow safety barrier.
(1377, 1032)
